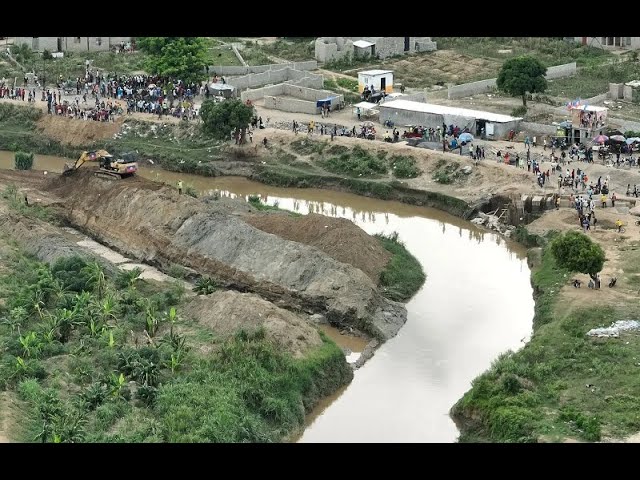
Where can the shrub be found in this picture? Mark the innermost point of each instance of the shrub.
(519, 111)
(404, 167)
(23, 161)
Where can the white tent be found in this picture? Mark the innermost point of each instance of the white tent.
(366, 105)
(367, 109)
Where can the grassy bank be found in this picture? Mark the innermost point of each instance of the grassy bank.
(384, 190)
(562, 383)
(75, 353)
(403, 276)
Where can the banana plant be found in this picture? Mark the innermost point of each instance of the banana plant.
(172, 316)
(151, 318)
(66, 321)
(30, 344)
(15, 319)
(50, 328)
(116, 383)
(176, 361)
(21, 366)
(38, 303)
(97, 277)
(96, 327)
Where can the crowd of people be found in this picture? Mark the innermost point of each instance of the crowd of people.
(101, 97)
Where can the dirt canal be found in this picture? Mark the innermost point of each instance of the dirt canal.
(476, 304)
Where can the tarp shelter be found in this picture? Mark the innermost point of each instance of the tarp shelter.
(221, 89)
(324, 102)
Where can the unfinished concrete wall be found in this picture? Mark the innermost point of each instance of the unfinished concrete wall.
(278, 76)
(240, 70)
(489, 85)
(258, 93)
(538, 128)
(627, 93)
(473, 88)
(40, 43)
(333, 48)
(289, 104)
(597, 98)
(290, 98)
(616, 90)
(501, 130)
(425, 44)
(561, 71)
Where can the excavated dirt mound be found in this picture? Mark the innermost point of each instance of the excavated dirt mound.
(339, 238)
(154, 224)
(225, 312)
(61, 184)
(71, 131)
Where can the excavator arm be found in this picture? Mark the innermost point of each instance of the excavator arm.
(97, 155)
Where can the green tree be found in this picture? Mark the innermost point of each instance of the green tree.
(578, 253)
(219, 119)
(520, 75)
(183, 58)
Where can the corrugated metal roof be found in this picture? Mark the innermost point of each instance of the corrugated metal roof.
(444, 110)
(374, 72)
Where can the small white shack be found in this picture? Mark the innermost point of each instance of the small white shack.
(380, 80)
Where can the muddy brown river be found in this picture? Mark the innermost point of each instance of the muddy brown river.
(476, 304)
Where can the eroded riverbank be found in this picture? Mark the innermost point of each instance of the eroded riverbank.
(437, 353)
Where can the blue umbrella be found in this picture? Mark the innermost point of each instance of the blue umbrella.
(632, 140)
(465, 137)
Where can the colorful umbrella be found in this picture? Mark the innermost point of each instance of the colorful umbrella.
(601, 139)
(465, 137)
(617, 138)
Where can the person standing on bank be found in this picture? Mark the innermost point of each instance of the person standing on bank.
(180, 187)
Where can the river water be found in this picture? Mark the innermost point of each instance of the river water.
(476, 304)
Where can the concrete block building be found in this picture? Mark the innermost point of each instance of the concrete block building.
(336, 48)
(71, 44)
(481, 124)
(610, 43)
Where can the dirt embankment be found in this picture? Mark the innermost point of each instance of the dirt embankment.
(154, 224)
(74, 132)
(224, 312)
(334, 236)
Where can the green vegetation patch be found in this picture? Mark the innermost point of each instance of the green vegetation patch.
(101, 356)
(404, 166)
(403, 276)
(447, 173)
(357, 163)
(562, 383)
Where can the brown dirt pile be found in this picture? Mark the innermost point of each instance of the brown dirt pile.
(339, 238)
(226, 312)
(71, 131)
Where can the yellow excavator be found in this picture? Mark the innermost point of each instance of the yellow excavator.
(108, 167)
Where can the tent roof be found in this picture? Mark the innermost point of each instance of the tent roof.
(590, 108)
(362, 44)
(444, 110)
(366, 105)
